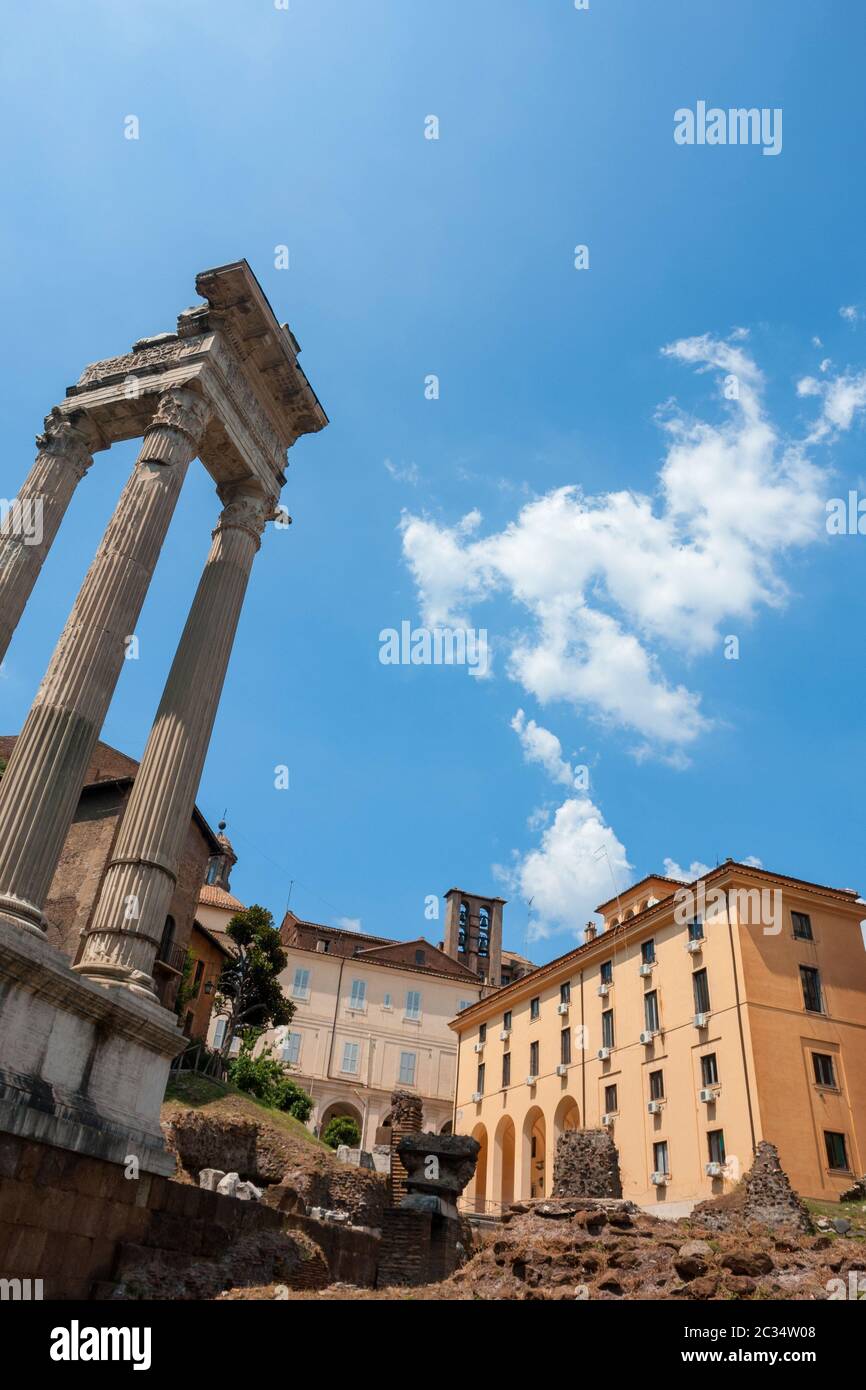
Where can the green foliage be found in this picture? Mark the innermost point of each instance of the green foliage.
(248, 993)
(341, 1130)
(267, 1078)
(186, 991)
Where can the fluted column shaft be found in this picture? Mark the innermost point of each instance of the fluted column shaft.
(41, 785)
(65, 454)
(138, 886)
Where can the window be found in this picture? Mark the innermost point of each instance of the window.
(648, 952)
(534, 1007)
(702, 992)
(386, 1002)
(219, 1033)
(506, 1019)
(484, 931)
(533, 1059)
(709, 1070)
(657, 1085)
(825, 1070)
(607, 972)
(480, 1085)
(350, 1057)
(506, 1070)
(565, 1046)
(196, 982)
(420, 957)
(464, 1003)
(716, 1145)
(482, 1032)
(696, 930)
(607, 1028)
(802, 926)
(167, 940)
(301, 984)
(610, 1105)
(651, 1011)
(358, 997)
(413, 1003)
(565, 993)
(837, 1151)
(407, 1068)
(292, 1048)
(660, 1157)
(813, 1000)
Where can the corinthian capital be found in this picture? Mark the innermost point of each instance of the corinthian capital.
(71, 439)
(184, 411)
(244, 509)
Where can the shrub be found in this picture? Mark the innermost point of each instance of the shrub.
(265, 1077)
(342, 1130)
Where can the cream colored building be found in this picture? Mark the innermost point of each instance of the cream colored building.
(692, 1028)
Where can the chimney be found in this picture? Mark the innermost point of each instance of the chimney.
(589, 933)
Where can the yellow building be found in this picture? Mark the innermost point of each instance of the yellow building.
(701, 1019)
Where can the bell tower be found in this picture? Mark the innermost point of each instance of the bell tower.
(473, 933)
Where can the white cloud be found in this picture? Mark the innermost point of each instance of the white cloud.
(695, 870)
(603, 585)
(405, 473)
(541, 746)
(349, 923)
(565, 877)
(850, 313)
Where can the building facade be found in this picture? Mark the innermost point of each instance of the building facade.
(701, 1019)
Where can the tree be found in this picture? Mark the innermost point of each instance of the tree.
(341, 1129)
(266, 1077)
(248, 991)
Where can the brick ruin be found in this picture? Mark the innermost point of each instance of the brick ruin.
(769, 1197)
(586, 1164)
(424, 1238)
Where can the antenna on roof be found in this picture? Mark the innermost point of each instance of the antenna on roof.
(603, 850)
(289, 898)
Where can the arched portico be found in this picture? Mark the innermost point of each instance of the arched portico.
(476, 1192)
(566, 1116)
(534, 1154)
(341, 1107)
(504, 1152)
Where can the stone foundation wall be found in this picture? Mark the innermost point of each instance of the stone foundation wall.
(586, 1164)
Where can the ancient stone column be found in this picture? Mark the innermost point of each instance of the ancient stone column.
(40, 788)
(406, 1118)
(28, 531)
(138, 886)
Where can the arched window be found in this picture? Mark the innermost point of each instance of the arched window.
(165, 944)
(484, 931)
(463, 927)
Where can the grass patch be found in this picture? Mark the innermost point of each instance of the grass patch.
(198, 1092)
(855, 1212)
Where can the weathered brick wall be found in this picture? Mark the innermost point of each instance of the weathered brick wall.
(405, 1252)
(406, 1113)
(586, 1164)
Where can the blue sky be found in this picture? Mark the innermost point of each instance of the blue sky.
(592, 501)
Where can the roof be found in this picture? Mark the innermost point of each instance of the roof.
(632, 888)
(848, 896)
(211, 896)
(215, 938)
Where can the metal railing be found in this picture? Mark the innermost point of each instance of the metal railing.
(199, 1058)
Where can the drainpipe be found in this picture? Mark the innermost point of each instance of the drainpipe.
(334, 1023)
(582, 1057)
(740, 1019)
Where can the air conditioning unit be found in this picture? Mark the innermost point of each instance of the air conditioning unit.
(531, 1080)
(701, 1020)
(479, 1047)
(655, 1107)
(476, 1097)
(562, 1008)
(603, 1054)
(647, 1037)
(604, 987)
(660, 1179)
(707, 1096)
(607, 1120)
(646, 969)
(695, 944)
(714, 1170)
(562, 1069)
(504, 1034)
